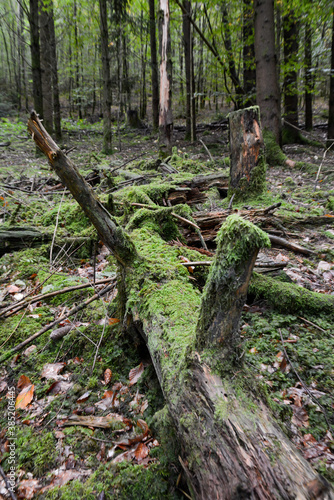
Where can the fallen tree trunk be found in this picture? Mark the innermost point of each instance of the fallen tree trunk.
(231, 446)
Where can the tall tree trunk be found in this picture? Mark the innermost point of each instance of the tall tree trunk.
(248, 54)
(54, 69)
(154, 67)
(35, 57)
(290, 34)
(189, 66)
(230, 57)
(308, 77)
(107, 133)
(77, 66)
(22, 56)
(267, 89)
(46, 62)
(165, 111)
(330, 133)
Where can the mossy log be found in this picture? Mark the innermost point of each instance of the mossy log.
(248, 165)
(16, 238)
(289, 297)
(231, 446)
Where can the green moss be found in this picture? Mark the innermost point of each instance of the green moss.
(289, 297)
(35, 451)
(330, 203)
(274, 154)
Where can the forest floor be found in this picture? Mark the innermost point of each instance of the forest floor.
(89, 417)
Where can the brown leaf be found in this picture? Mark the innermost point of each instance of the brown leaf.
(141, 451)
(113, 321)
(23, 382)
(25, 397)
(13, 289)
(84, 397)
(29, 350)
(60, 386)
(107, 376)
(28, 488)
(135, 374)
(3, 386)
(300, 416)
(51, 370)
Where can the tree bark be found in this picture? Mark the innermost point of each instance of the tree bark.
(290, 34)
(330, 133)
(165, 111)
(107, 133)
(309, 79)
(267, 89)
(248, 167)
(35, 57)
(189, 67)
(46, 62)
(248, 54)
(231, 446)
(54, 69)
(154, 67)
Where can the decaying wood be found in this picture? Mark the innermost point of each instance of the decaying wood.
(231, 446)
(247, 170)
(16, 238)
(114, 237)
(209, 224)
(194, 190)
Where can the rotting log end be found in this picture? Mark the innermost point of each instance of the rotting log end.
(41, 137)
(238, 243)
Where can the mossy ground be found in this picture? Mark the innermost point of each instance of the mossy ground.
(158, 282)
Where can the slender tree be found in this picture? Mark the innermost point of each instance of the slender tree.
(46, 62)
(330, 134)
(267, 89)
(165, 111)
(107, 133)
(35, 56)
(154, 67)
(308, 77)
(248, 54)
(54, 70)
(189, 67)
(290, 34)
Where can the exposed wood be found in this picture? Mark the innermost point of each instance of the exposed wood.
(16, 238)
(165, 111)
(114, 237)
(248, 167)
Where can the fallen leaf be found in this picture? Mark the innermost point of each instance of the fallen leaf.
(51, 370)
(3, 386)
(29, 350)
(107, 376)
(84, 397)
(300, 416)
(60, 386)
(135, 374)
(113, 321)
(23, 382)
(141, 451)
(27, 488)
(25, 397)
(13, 289)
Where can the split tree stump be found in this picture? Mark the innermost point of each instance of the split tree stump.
(248, 165)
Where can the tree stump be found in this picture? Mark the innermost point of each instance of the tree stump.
(248, 165)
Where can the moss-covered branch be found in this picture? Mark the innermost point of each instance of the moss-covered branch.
(289, 297)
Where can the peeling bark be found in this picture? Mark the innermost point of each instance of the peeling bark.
(165, 113)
